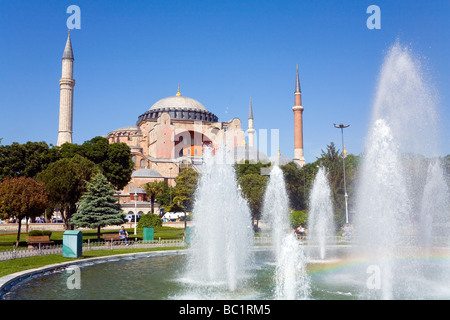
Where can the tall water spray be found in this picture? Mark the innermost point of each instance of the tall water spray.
(404, 125)
(320, 216)
(291, 280)
(222, 236)
(435, 206)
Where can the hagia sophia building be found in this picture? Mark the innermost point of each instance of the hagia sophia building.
(171, 136)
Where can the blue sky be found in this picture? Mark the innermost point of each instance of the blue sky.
(130, 54)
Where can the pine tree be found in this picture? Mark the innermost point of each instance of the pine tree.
(98, 206)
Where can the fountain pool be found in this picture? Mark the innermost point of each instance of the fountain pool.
(161, 277)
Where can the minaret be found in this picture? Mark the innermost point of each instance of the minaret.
(250, 130)
(66, 84)
(298, 124)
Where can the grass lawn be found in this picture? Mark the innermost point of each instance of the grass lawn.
(165, 233)
(16, 265)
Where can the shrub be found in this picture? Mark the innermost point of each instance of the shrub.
(34, 233)
(47, 233)
(297, 218)
(149, 220)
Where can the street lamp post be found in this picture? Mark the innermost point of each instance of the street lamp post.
(135, 211)
(170, 190)
(342, 126)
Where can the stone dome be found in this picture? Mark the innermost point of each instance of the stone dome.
(251, 154)
(178, 103)
(179, 108)
(281, 160)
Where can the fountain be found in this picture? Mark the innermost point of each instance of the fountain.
(434, 207)
(320, 216)
(222, 236)
(291, 280)
(390, 223)
(400, 248)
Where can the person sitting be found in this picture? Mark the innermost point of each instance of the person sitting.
(347, 231)
(123, 235)
(300, 231)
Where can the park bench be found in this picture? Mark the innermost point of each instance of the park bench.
(111, 237)
(36, 241)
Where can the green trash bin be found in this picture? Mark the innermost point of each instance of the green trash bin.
(148, 234)
(188, 235)
(72, 244)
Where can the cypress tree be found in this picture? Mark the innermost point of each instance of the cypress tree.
(98, 207)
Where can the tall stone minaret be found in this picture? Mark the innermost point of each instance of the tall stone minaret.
(250, 131)
(298, 124)
(66, 84)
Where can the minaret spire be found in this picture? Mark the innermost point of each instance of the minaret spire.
(298, 124)
(250, 131)
(68, 53)
(66, 84)
(297, 83)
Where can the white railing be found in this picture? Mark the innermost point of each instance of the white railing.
(259, 240)
(16, 253)
(266, 239)
(25, 253)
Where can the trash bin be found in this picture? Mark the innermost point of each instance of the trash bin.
(72, 244)
(188, 235)
(148, 234)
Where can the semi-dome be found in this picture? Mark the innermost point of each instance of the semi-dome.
(179, 103)
(128, 128)
(146, 173)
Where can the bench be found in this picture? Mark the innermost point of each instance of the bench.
(36, 241)
(111, 237)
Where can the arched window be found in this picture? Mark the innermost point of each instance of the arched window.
(143, 163)
(134, 159)
(131, 188)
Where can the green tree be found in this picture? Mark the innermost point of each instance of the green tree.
(242, 169)
(118, 167)
(297, 218)
(295, 185)
(24, 160)
(184, 190)
(253, 187)
(98, 206)
(164, 198)
(65, 180)
(114, 160)
(22, 198)
(331, 158)
(149, 220)
(153, 190)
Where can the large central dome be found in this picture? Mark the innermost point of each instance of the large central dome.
(179, 108)
(178, 102)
